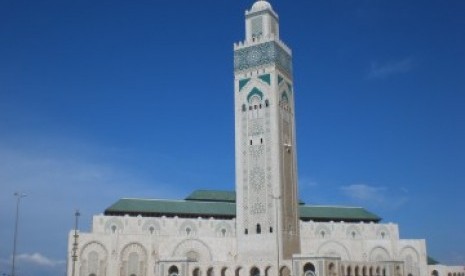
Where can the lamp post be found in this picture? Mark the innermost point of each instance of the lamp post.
(15, 238)
(75, 243)
(277, 198)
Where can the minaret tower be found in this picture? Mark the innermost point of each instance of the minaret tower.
(266, 167)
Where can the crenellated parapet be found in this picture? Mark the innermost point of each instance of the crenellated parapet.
(271, 37)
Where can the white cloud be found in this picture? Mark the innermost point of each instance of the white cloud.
(378, 196)
(39, 259)
(380, 71)
(58, 180)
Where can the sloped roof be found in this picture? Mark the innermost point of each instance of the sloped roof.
(336, 213)
(180, 208)
(212, 195)
(221, 204)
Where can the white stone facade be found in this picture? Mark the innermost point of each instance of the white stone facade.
(265, 234)
(211, 244)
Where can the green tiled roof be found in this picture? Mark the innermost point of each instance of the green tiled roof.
(336, 213)
(212, 195)
(181, 208)
(221, 204)
(432, 261)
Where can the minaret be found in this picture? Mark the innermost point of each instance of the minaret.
(266, 168)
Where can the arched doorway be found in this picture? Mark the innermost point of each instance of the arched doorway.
(173, 271)
(254, 271)
(309, 270)
(285, 271)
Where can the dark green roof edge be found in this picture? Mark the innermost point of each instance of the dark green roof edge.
(432, 261)
(212, 195)
(221, 209)
(217, 196)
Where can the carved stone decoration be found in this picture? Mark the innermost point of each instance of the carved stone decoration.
(262, 54)
(256, 152)
(93, 258)
(256, 127)
(258, 208)
(257, 178)
(184, 248)
(133, 260)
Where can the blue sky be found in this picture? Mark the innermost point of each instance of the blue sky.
(107, 99)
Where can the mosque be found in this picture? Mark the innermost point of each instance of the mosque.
(261, 228)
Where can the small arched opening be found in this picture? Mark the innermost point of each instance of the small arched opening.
(238, 271)
(285, 271)
(173, 271)
(254, 271)
(309, 269)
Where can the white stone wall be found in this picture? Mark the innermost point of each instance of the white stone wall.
(443, 270)
(143, 246)
(363, 243)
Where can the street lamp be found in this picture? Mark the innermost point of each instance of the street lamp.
(18, 200)
(75, 243)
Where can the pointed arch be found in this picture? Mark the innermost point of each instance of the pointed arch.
(379, 253)
(334, 248)
(255, 92)
(188, 245)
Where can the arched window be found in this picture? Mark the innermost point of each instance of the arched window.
(255, 271)
(267, 103)
(357, 271)
(113, 228)
(210, 271)
(223, 232)
(173, 271)
(188, 231)
(151, 229)
(332, 269)
(246, 231)
(223, 271)
(244, 108)
(196, 272)
(259, 229)
(309, 269)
